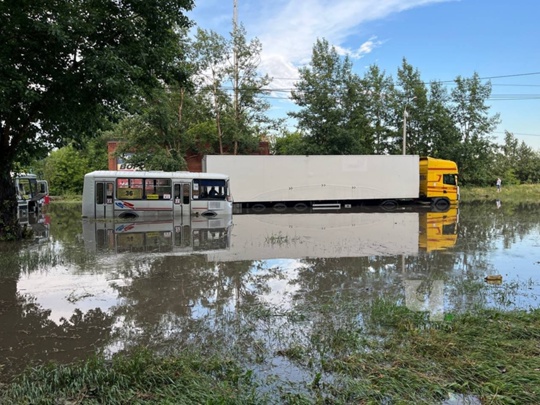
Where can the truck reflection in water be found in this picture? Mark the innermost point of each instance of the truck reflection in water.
(335, 235)
(184, 235)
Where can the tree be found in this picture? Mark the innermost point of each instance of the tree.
(471, 115)
(380, 109)
(157, 137)
(517, 162)
(66, 67)
(413, 98)
(249, 120)
(290, 143)
(65, 171)
(331, 100)
(210, 54)
(439, 128)
(199, 116)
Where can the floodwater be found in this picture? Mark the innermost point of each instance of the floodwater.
(86, 287)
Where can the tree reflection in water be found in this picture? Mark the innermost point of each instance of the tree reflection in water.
(251, 290)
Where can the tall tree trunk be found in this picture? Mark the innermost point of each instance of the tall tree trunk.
(9, 222)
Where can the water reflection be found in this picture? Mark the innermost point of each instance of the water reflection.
(94, 286)
(333, 235)
(181, 235)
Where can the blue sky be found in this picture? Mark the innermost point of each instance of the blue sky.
(443, 39)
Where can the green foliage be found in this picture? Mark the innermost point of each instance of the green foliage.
(341, 113)
(290, 143)
(517, 163)
(201, 116)
(64, 170)
(155, 139)
(413, 98)
(475, 154)
(380, 109)
(332, 104)
(84, 63)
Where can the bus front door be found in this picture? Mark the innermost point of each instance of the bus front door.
(104, 199)
(182, 198)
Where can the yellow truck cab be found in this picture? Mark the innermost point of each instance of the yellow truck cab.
(439, 182)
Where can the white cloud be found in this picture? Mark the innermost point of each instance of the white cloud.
(288, 29)
(364, 49)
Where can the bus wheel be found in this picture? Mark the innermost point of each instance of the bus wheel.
(300, 207)
(280, 207)
(258, 207)
(389, 205)
(128, 215)
(441, 204)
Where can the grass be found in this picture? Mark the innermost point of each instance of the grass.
(491, 356)
(135, 379)
(524, 193)
(397, 357)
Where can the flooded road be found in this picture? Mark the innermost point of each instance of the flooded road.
(252, 283)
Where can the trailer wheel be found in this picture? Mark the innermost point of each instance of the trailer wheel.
(300, 207)
(280, 207)
(258, 207)
(441, 204)
(389, 205)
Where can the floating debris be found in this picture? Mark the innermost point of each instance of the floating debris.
(493, 279)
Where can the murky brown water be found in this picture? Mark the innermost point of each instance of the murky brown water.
(87, 287)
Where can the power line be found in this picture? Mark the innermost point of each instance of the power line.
(516, 85)
(516, 133)
(513, 75)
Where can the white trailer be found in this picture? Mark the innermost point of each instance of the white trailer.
(320, 181)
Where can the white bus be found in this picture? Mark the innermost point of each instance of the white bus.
(132, 194)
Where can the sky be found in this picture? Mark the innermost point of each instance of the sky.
(442, 39)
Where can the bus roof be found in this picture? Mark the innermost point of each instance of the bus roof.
(107, 174)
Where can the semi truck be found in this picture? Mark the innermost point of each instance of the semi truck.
(279, 182)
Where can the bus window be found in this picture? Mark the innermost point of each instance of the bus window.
(129, 189)
(210, 189)
(163, 189)
(186, 194)
(99, 193)
(110, 192)
(181, 191)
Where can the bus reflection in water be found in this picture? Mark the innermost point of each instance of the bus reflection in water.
(179, 236)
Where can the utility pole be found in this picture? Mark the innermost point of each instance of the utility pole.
(235, 73)
(405, 115)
